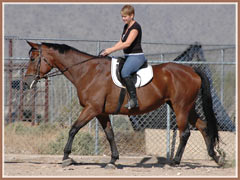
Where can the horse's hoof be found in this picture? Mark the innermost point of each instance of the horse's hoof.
(221, 161)
(174, 163)
(67, 162)
(110, 166)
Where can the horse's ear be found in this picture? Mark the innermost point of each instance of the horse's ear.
(33, 45)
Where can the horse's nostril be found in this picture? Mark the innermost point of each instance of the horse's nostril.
(25, 85)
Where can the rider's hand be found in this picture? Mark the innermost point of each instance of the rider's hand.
(106, 52)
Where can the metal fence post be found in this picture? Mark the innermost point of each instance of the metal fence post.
(161, 57)
(168, 132)
(111, 120)
(96, 137)
(34, 93)
(10, 53)
(96, 120)
(222, 77)
(46, 101)
(51, 103)
(70, 117)
(21, 109)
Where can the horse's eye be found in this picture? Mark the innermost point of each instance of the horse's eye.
(32, 59)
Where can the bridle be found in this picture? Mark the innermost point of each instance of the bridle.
(56, 73)
(40, 57)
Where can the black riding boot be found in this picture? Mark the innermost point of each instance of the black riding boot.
(133, 102)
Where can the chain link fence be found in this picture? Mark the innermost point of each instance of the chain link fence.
(154, 133)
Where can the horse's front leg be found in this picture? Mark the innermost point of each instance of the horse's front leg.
(85, 116)
(107, 127)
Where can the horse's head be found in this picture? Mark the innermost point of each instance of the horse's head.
(40, 63)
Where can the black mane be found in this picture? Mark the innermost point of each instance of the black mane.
(63, 48)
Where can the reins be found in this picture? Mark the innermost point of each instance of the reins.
(56, 73)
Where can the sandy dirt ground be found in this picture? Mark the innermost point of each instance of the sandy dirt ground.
(16, 165)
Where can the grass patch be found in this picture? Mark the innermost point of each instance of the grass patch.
(46, 138)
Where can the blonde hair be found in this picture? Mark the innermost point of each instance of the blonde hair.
(127, 10)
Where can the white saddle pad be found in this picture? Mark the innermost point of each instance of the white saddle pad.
(144, 75)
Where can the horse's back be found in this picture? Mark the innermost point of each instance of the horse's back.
(174, 67)
(178, 72)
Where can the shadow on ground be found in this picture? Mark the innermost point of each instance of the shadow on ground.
(145, 162)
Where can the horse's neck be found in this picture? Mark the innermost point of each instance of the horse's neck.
(72, 66)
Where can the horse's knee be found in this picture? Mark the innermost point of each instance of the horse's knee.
(73, 131)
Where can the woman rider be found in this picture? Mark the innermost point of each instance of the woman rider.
(130, 43)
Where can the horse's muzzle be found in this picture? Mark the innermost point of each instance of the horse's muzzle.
(30, 82)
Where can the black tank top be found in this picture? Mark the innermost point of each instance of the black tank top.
(135, 47)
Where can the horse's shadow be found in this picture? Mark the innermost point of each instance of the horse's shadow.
(143, 163)
(146, 162)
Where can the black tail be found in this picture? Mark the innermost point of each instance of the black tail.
(212, 130)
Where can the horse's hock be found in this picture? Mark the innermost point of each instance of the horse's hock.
(195, 148)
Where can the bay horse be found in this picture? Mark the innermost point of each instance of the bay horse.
(175, 84)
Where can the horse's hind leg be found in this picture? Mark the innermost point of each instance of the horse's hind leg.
(201, 125)
(106, 124)
(184, 134)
